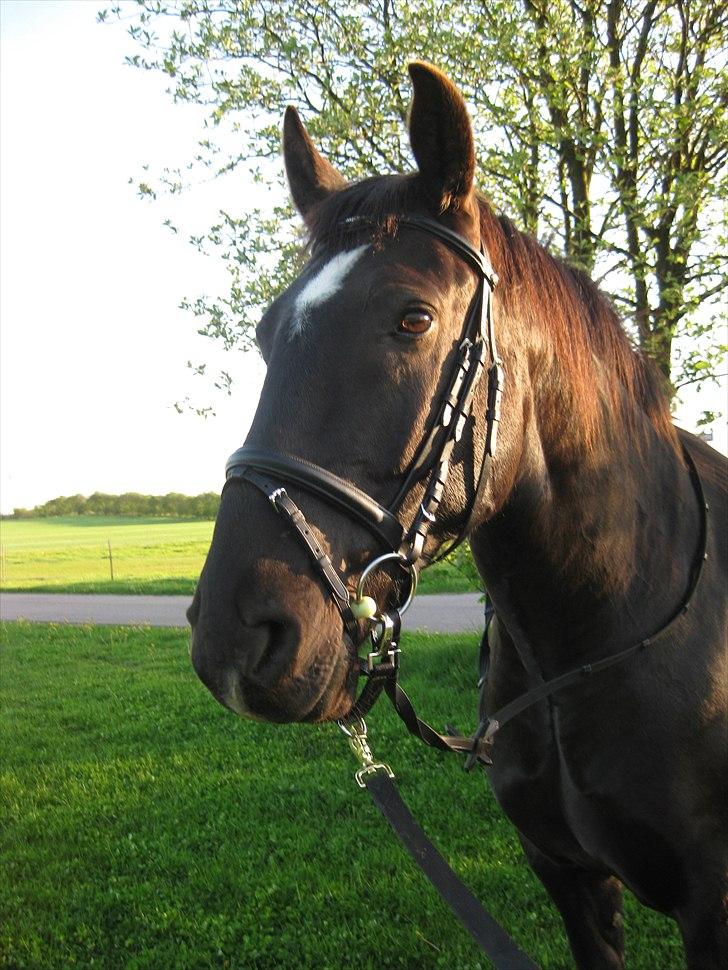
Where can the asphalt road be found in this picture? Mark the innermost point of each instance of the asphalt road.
(442, 613)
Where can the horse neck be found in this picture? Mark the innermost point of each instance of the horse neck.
(593, 549)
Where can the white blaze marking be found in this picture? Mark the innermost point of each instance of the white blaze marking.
(324, 284)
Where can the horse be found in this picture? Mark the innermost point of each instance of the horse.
(585, 525)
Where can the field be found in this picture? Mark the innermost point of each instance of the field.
(145, 827)
(71, 554)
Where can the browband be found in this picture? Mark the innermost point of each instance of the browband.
(475, 258)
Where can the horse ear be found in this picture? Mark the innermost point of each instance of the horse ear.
(441, 137)
(310, 177)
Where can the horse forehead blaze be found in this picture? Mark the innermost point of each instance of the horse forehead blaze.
(321, 287)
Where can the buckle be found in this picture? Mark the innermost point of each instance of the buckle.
(385, 647)
(482, 744)
(275, 495)
(428, 515)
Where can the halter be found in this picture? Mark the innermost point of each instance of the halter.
(405, 545)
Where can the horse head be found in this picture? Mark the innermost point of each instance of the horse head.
(360, 350)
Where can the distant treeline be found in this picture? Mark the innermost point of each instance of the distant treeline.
(130, 503)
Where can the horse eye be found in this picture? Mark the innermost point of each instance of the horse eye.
(416, 322)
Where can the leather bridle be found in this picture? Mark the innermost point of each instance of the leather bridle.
(268, 470)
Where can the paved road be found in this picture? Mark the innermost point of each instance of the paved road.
(444, 613)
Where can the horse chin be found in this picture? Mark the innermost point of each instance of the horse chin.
(283, 704)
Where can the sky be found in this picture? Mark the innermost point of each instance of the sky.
(93, 346)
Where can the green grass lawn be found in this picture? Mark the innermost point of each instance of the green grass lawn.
(71, 553)
(158, 556)
(146, 827)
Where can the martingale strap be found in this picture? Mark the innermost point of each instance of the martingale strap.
(482, 740)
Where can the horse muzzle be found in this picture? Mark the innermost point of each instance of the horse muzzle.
(266, 664)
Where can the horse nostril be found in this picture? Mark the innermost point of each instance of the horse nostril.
(263, 655)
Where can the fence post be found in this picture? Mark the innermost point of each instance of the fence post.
(111, 560)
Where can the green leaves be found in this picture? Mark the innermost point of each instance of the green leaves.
(601, 127)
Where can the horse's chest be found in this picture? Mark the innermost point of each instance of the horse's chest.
(528, 780)
(567, 777)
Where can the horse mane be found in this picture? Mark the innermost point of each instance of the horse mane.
(541, 291)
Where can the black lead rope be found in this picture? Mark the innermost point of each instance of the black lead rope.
(487, 933)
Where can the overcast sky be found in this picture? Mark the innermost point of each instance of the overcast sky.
(92, 346)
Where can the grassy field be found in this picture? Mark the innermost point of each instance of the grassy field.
(164, 556)
(146, 827)
(71, 553)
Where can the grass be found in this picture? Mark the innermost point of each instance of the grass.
(145, 827)
(70, 554)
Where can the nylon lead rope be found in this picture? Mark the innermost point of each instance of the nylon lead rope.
(489, 935)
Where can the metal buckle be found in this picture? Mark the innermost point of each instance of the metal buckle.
(382, 633)
(356, 732)
(384, 645)
(275, 495)
(381, 637)
(428, 515)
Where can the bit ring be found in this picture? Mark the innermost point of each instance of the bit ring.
(376, 563)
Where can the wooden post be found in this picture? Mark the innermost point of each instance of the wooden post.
(111, 560)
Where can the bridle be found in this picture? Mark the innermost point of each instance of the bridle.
(405, 545)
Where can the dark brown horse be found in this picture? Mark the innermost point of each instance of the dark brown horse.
(586, 531)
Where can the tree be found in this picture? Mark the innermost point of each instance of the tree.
(602, 128)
